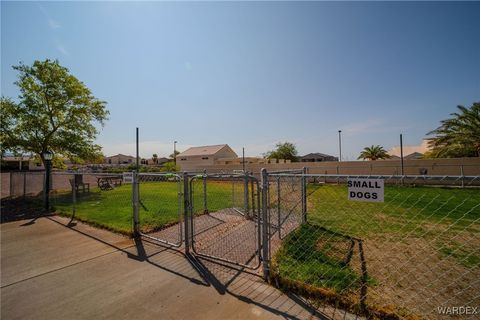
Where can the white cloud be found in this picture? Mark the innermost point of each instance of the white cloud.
(373, 125)
(421, 148)
(62, 49)
(52, 23)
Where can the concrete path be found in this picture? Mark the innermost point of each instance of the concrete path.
(51, 271)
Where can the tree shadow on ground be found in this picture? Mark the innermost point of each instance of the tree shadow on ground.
(16, 209)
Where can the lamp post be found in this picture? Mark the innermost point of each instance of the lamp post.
(340, 144)
(47, 156)
(175, 152)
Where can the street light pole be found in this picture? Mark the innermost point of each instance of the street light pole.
(243, 159)
(47, 156)
(340, 144)
(175, 152)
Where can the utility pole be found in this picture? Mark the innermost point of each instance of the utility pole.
(175, 152)
(401, 153)
(243, 159)
(340, 144)
(138, 157)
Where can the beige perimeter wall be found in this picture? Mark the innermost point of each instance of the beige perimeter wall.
(469, 166)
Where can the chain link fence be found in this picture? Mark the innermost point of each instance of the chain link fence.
(160, 207)
(104, 200)
(225, 219)
(415, 254)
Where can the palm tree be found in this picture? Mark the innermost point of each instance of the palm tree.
(155, 158)
(458, 136)
(373, 153)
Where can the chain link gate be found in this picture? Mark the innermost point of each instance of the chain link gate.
(160, 207)
(286, 201)
(225, 218)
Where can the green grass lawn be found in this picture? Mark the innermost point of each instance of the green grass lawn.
(316, 257)
(315, 253)
(161, 204)
(406, 210)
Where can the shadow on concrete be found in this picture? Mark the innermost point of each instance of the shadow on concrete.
(243, 284)
(16, 209)
(249, 287)
(173, 261)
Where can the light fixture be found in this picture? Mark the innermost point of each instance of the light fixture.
(48, 155)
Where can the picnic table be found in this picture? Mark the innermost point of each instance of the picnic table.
(109, 182)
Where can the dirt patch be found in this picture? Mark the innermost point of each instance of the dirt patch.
(412, 275)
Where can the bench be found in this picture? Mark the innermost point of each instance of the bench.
(78, 184)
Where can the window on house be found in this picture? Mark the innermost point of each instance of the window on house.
(204, 158)
(183, 159)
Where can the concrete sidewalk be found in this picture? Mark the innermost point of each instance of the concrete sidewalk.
(51, 271)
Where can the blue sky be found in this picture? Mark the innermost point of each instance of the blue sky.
(254, 73)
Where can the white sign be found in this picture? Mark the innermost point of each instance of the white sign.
(128, 177)
(369, 190)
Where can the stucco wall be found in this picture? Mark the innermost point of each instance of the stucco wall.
(470, 166)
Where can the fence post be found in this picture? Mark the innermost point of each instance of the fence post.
(135, 200)
(252, 187)
(304, 195)
(24, 184)
(461, 173)
(11, 184)
(338, 178)
(279, 215)
(186, 209)
(74, 200)
(265, 227)
(205, 206)
(245, 194)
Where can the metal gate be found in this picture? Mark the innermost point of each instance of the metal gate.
(160, 207)
(287, 201)
(225, 218)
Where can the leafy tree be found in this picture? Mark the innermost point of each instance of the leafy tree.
(284, 150)
(458, 136)
(56, 112)
(170, 167)
(373, 153)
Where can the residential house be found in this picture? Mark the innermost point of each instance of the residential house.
(119, 159)
(198, 157)
(414, 156)
(317, 157)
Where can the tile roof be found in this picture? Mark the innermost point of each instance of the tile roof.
(315, 155)
(202, 151)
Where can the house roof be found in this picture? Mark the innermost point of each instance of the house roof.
(203, 150)
(414, 155)
(317, 155)
(119, 155)
(14, 158)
